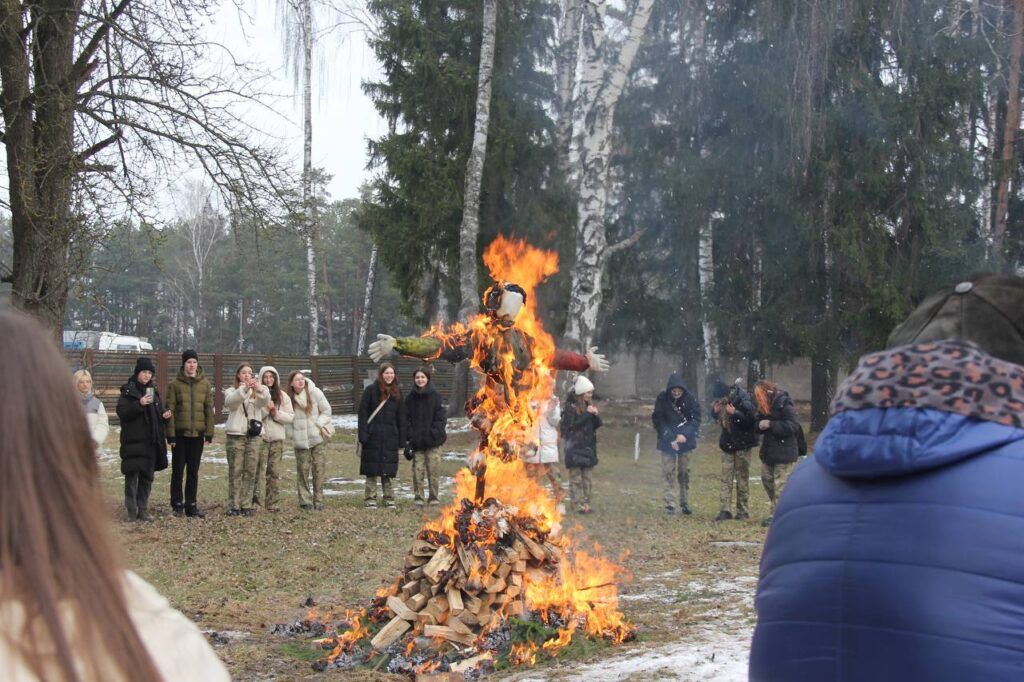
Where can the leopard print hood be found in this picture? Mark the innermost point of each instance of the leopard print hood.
(912, 408)
(950, 376)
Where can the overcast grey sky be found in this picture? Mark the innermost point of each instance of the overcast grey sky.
(343, 117)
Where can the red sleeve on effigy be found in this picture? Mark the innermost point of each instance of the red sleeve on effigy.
(566, 359)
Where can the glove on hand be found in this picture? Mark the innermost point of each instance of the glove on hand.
(408, 454)
(596, 360)
(383, 347)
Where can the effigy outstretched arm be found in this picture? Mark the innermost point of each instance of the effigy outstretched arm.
(450, 349)
(578, 362)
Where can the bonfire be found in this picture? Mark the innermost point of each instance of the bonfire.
(496, 578)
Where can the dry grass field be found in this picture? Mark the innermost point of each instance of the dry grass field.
(687, 579)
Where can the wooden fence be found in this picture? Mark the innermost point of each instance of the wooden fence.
(340, 377)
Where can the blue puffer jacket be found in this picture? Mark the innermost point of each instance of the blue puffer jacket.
(897, 553)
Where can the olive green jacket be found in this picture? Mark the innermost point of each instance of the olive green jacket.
(190, 400)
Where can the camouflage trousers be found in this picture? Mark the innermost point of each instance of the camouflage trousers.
(268, 475)
(736, 473)
(426, 468)
(309, 469)
(370, 491)
(773, 478)
(675, 476)
(242, 459)
(580, 482)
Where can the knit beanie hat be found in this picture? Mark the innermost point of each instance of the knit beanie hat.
(986, 308)
(189, 355)
(144, 364)
(582, 385)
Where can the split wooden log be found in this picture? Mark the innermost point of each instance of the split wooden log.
(457, 625)
(399, 608)
(441, 561)
(423, 548)
(497, 585)
(552, 552)
(503, 570)
(413, 561)
(468, 664)
(410, 588)
(416, 602)
(455, 602)
(471, 603)
(515, 579)
(448, 633)
(415, 574)
(388, 634)
(532, 547)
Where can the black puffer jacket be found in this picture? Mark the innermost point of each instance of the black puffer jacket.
(579, 436)
(383, 437)
(425, 418)
(741, 432)
(676, 417)
(779, 445)
(142, 429)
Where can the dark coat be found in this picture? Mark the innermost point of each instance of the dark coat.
(382, 438)
(895, 554)
(579, 436)
(779, 445)
(190, 400)
(676, 417)
(142, 430)
(741, 433)
(425, 418)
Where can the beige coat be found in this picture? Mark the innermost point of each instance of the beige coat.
(273, 427)
(241, 401)
(99, 425)
(306, 427)
(178, 649)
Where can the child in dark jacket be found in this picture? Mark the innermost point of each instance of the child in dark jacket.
(579, 425)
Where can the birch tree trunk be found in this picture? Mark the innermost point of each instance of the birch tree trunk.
(364, 323)
(602, 79)
(470, 228)
(1011, 125)
(567, 60)
(755, 367)
(306, 17)
(706, 271)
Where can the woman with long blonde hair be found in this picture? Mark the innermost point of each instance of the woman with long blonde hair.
(68, 609)
(95, 413)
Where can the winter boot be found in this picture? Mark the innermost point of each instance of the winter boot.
(143, 515)
(193, 512)
(724, 515)
(179, 511)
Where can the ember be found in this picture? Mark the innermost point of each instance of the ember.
(497, 553)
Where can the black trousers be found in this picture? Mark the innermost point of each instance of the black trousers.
(185, 457)
(136, 492)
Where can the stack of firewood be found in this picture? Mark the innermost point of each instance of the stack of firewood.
(455, 587)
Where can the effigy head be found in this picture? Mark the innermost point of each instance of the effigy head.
(504, 300)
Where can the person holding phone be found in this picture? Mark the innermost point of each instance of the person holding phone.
(275, 416)
(311, 423)
(143, 451)
(245, 402)
(578, 427)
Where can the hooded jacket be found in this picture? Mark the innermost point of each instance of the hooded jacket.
(425, 418)
(676, 417)
(244, 404)
(306, 426)
(548, 418)
(382, 437)
(779, 444)
(142, 434)
(895, 552)
(190, 400)
(741, 430)
(274, 427)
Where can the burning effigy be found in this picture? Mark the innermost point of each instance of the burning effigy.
(496, 577)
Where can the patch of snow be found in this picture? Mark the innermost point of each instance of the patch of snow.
(350, 422)
(713, 657)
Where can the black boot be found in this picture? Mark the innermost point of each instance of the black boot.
(179, 510)
(192, 511)
(143, 515)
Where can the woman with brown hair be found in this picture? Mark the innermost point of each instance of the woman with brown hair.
(141, 413)
(382, 425)
(68, 611)
(245, 400)
(776, 421)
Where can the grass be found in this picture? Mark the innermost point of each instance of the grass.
(240, 576)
